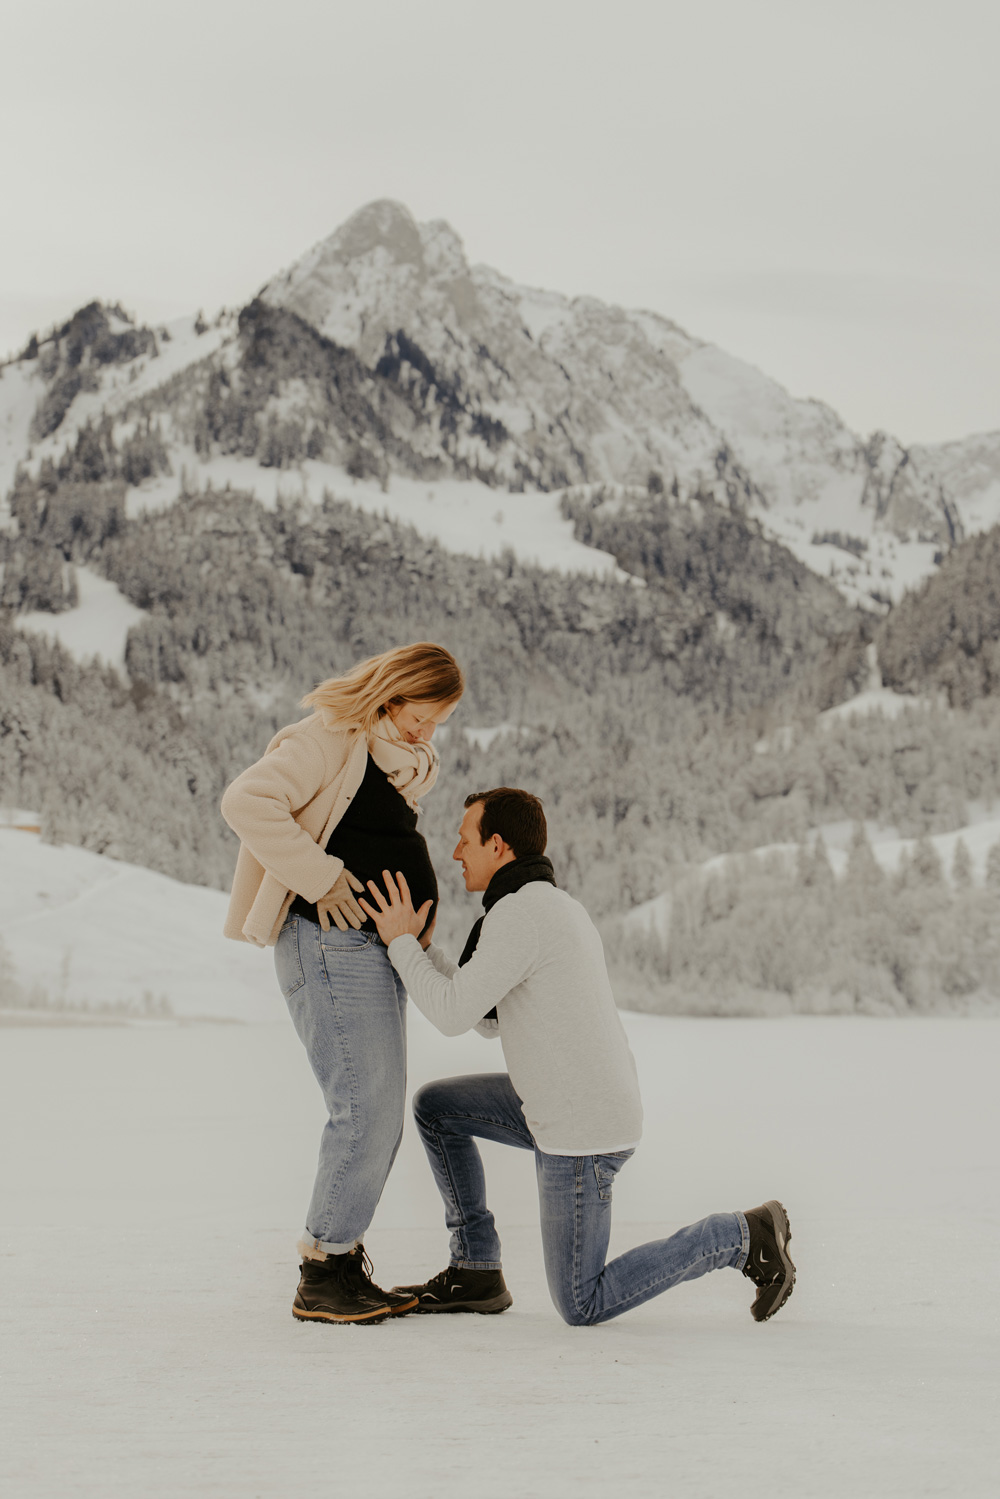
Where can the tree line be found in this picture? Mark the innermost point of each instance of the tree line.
(655, 739)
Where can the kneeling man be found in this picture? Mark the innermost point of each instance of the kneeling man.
(533, 973)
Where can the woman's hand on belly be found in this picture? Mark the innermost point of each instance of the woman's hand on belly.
(339, 902)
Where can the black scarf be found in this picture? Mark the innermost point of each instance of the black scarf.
(508, 878)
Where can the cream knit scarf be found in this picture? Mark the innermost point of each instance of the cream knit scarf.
(411, 768)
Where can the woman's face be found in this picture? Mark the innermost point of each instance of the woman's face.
(417, 721)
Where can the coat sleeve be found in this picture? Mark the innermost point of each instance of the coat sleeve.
(441, 960)
(506, 954)
(260, 804)
(488, 1028)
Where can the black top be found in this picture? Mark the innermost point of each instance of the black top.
(379, 831)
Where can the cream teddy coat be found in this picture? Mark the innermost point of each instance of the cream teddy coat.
(283, 809)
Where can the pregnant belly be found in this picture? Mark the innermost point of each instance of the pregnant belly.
(367, 856)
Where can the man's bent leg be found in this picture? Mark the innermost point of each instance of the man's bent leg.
(575, 1201)
(451, 1115)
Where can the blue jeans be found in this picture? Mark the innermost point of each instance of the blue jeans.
(348, 1006)
(574, 1195)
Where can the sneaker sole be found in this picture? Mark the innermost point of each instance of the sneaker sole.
(783, 1236)
(485, 1308)
(332, 1318)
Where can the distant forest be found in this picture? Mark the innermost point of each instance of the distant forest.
(663, 719)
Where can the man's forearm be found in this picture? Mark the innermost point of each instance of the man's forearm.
(441, 960)
(455, 1002)
(431, 989)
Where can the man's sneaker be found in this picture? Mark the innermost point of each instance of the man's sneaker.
(459, 1290)
(769, 1264)
(359, 1272)
(330, 1291)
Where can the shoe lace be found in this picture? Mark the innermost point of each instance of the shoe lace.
(756, 1274)
(358, 1267)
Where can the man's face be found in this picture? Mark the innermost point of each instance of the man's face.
(479, 861)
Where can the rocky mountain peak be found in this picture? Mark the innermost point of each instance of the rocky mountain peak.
(372, 276)
(383, 225)
(443, 250)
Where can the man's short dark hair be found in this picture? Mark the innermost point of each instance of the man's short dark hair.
(516, 815)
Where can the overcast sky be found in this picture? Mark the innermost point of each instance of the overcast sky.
(811, 185)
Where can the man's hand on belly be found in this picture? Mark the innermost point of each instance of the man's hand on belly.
(395, 917)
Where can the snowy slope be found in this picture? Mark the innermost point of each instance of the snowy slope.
(119, 386)
(92, 932)
(116, 386)
(889, 849)
(461, 514)
(19, 395)
(969, 471)
(97, 627)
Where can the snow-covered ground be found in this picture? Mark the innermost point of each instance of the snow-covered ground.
(155, 1178)
(154, 1185)
(91, 932)
(97, 626)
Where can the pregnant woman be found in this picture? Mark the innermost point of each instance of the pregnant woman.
(331, 804)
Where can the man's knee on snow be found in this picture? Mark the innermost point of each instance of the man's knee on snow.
(570, 1311)
(576, 1317)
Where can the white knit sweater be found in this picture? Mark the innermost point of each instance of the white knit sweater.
(541, 963)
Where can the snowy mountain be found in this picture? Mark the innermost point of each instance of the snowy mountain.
(383, 367)
(586, 393)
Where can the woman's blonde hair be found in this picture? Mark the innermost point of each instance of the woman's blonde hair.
(418, 673)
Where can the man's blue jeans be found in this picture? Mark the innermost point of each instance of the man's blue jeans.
(348, 1005)
(574, 1195)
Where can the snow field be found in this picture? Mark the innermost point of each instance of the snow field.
(91, 932)
(156, 1187)
(97, 626)
(889, 567)
(461, 514)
